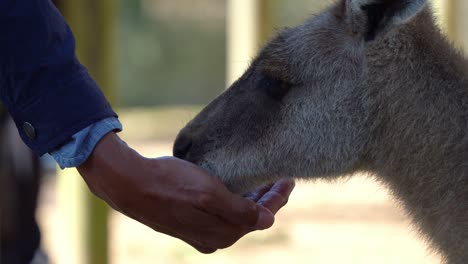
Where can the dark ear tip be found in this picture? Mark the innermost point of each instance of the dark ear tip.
(383, 15)
(376, 13)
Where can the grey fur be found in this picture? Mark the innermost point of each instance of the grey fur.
(396, 108)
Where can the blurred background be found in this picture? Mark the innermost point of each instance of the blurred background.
(160, 62)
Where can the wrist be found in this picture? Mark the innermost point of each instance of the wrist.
(110, 166)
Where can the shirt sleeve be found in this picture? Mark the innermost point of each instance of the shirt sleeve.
(82, 144)
(49, 94)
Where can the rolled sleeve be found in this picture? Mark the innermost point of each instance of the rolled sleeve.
(49, 94)
(82, 144)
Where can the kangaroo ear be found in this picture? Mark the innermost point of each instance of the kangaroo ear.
(378, 16)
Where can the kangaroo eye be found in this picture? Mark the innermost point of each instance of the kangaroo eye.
(274, 88)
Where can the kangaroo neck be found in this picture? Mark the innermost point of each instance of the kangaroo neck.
(420, 131)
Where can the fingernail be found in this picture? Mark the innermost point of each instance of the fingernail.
(265, 218)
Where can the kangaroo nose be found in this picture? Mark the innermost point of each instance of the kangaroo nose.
(182, 147)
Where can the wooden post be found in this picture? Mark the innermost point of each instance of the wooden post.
(449, 19)
(242, 33)
(249, 23)
(444, 10)
(266, 20)
(86, 225)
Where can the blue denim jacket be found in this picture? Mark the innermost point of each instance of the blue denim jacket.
(49, 94)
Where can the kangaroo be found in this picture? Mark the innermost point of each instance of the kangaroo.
(366, 86)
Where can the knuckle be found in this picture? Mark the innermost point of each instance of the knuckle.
(274, 201)
(280, 198)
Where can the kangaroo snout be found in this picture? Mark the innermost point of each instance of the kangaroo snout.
(182, 146)
(191, 147)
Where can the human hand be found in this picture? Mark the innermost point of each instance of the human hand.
(178, 198)
(272, 196)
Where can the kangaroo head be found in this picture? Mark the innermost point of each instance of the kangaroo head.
(302, 107)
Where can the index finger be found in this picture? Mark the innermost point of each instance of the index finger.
(277, 196)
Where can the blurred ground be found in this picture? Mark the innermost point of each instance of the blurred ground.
(352, 221)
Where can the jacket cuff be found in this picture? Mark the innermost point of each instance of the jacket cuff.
(61, 101)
